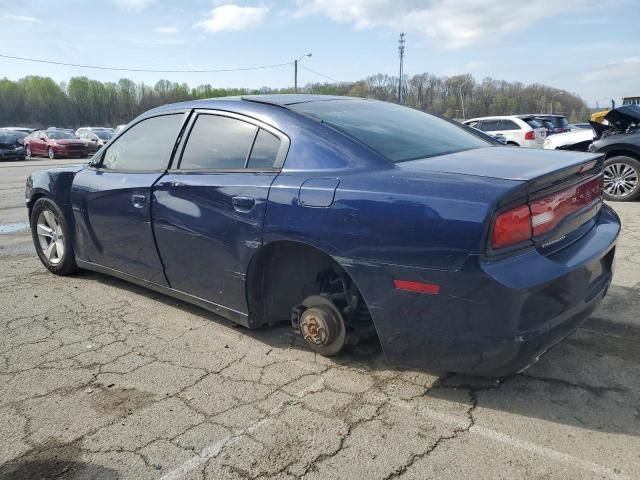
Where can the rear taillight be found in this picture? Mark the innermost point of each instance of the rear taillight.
(542, 215)
(511, 227)
(531, 135)
(548, 212)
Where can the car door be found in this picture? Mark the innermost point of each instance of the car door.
(111, 199)
(208, 213)
(39, 146)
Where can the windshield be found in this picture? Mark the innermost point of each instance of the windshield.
(8, 139)
(59, 135)
(398, 133)
(103, 134)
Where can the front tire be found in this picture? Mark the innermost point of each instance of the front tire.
(51, 153)
(28, 153)
(621, 179)
(51, 238)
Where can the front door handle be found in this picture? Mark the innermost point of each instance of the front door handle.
(243, 204)
(139, 201)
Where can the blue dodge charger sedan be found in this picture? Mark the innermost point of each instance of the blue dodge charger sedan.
(349, 218)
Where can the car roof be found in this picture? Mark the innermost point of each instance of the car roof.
(496, 117)
(546, 115)
(279, 100)
(286, 99)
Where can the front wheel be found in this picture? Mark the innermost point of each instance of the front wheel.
(51, 153)
(51, 238)
(621, 179)
(28, 153)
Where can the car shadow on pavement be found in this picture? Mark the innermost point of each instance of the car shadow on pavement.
(591, 380)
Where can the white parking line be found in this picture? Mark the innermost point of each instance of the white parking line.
(214, 449)
(506, 439)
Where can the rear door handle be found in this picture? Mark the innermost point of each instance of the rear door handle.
(243, 204)
(139, 201)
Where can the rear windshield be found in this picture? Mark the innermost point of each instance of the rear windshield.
(398, 133)
(532, 123)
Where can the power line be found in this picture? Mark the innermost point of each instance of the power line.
(320, 74)
(123, 69)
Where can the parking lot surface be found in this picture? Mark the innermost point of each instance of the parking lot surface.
(105, 380)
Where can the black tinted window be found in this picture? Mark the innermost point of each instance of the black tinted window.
(265, 150)
(508, 125)
(218, 142)
(532, 123)
(145, 146)
(490, 125)
(398, 133)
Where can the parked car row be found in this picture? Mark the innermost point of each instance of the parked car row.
(518, 130)
(54, 142)
(522, 130)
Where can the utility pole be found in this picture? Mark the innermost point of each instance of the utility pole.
(464, 116)
(401, 52)
(552, 97)
(295, 72)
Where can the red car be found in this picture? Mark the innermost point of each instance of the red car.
(55, 143)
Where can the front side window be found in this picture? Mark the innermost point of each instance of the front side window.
(217, 142)
(398, 133)
(145, 146)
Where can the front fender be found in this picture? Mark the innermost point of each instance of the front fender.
(55, 184)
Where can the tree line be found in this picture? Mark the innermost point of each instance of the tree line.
(41, 102)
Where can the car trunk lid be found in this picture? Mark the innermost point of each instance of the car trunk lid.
(562, 191)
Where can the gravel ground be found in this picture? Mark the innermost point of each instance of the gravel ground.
(101, 379)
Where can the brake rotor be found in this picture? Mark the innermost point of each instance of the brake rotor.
(321, 325)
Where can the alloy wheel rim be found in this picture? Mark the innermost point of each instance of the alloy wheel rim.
(28, 151)
(50, 237)
(51, 154)
(620, 180)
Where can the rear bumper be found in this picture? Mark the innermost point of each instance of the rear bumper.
(490, 318)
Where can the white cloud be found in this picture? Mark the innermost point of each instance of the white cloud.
(233, 17)
(133, 4)
(167, 30)
(626, 69)
(453, 23)
(21, 18)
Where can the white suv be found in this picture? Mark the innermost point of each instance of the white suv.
(520, 130)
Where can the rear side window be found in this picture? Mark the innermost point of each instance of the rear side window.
(145, 146)
(265, 150)
(398, 133)
(508, 125)
(217, 142)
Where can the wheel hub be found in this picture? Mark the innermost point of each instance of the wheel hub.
(318, 326)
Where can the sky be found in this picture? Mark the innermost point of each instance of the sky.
(587, 47)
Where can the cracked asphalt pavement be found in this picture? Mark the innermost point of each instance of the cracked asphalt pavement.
(100, 379)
